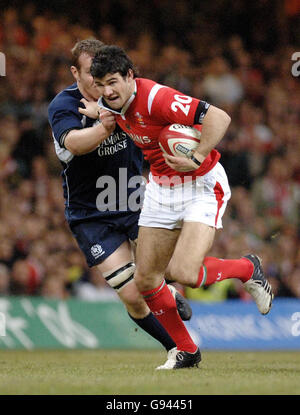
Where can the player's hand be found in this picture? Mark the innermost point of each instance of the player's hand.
(91, 109)
(108, 120)
(181, 164)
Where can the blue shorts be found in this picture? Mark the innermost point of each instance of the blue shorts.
(98, 239)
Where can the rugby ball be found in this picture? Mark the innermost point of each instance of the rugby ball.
(179, 140)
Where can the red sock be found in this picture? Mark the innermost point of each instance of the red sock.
(215, 269)
(163, 305)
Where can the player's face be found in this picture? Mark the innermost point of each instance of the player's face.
(84, 79)
(116, 89)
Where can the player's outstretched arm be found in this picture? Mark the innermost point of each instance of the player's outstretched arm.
(85, 140)
(214, 126)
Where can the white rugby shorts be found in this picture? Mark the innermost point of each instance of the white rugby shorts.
(202, 200)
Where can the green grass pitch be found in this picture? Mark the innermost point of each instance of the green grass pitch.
(106, 372)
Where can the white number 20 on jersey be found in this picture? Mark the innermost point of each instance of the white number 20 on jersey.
(181, 103)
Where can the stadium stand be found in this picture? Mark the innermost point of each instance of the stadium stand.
(236, 65)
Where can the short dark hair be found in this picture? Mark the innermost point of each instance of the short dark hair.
(111, 59)
(90, 46)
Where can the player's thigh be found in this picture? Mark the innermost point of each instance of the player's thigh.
(193, 244)
(154, 249)
(121, 256)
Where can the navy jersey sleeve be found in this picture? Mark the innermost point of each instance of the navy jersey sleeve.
(64, 116)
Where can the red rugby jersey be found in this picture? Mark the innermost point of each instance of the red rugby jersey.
(148, 111)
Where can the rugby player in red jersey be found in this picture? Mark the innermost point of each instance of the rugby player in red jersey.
(185, 198)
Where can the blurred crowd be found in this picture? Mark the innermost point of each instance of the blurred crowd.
(197, 50)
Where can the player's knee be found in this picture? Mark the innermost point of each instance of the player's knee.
(122, 281)
(120, 278)
(139, 279)
(180, 273)
(143, 280)
(133, 300)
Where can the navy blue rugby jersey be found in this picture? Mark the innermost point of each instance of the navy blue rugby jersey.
(104, 182)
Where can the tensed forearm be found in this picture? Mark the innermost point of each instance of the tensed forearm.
(214, 126)
(85, 140)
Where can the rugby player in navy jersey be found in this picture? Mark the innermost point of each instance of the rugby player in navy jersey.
(91, 149)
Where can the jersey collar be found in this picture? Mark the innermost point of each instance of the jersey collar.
(103, 104)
